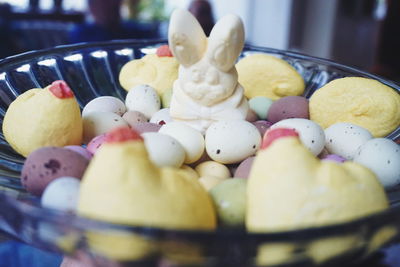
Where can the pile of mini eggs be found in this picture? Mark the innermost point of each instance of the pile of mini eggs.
(226, 150)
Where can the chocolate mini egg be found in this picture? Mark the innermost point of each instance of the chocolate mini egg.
(81, 150)
(311, 134)
(334, 158)
(132, 117)
(48, 163)
(288, 107)
(213, 168)
(229, 198)
(143, 98)
(243, 170)
(164, 150)
(96, 143)
(99, 122)
(161, 117)
(382, 156)
(261, 105)
(145, 127)
(61, 194)
(251, 116)
(344, 139)
(231, 141)
(262, 126)
(191, 140)
(105, 103)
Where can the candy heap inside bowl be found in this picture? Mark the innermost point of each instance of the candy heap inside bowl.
(202, 141)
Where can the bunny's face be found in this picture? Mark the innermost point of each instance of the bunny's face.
(206, 84)
(207, 72)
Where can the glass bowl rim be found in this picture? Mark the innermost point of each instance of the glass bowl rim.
(375, 220)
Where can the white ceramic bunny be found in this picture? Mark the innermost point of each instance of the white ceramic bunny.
(207, 87)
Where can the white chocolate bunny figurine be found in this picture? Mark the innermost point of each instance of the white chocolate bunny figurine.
(207, 87)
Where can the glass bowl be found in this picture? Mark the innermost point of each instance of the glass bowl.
(92, 70)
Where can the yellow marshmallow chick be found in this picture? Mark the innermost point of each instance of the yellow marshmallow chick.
(289, 188)
(121, 185)
(43, 117)
(159, 72)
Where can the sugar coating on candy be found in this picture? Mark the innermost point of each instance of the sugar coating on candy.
(164, 51)
(122, 134)
(60, 89)
(274, 134)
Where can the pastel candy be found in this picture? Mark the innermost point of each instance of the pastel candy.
(287, 108)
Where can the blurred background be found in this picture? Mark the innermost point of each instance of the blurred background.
(361, 33)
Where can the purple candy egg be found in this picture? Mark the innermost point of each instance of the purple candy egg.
(251, 116)
(81, 150)
(48, 163)
(333, 157)
(96, 143)
(145, 127)
(243, 170)
(262, 126)
(288, 107)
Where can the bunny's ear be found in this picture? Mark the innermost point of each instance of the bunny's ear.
(186, 37)
(226, 42)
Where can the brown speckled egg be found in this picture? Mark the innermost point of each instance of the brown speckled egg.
(48, 163)
(288, 107)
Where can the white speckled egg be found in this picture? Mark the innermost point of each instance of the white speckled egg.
(191, 140)
(344, 139)
(231, 141)
(164, 150)
(311, 134)
(382, 156)
(96, 123)
(62, 194)
(106, 104)
(143, 98)
(161, 117)
(213, 168)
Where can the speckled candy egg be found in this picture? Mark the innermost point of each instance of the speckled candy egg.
(261, 105)
(48, 163)
(311, 134)
(61, 194)
(262, 126)
(164, 150)
(344, 139)
(146, 127)
(251, 116)
(213, 168)
(382, 156)
(143, 98)
(232, 141)
(229, 198)
(96, 143)
(106, 104)
(243, 170)
(96, 123)
(161, 117)
(132, 117)
(334, 158)
(81, 150)
(288, 107)
(191, 140)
